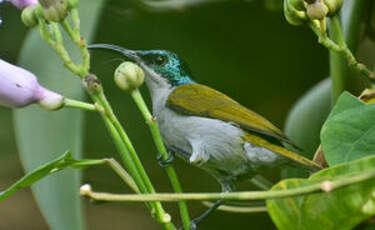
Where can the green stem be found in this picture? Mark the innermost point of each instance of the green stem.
(237, 209)
(76, 21)
(125, 157)
(151, 122)
(341, 48)
(75, 35)
(122, 173)
(338, 66)
(58, 46)
(254, 195)
(261, 182)
(131, 158)
(79, 104)
(72, 34)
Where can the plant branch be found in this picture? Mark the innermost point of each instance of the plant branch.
(254, 195)
(130, 157)
(338, 66)
(236, 209)
(122, 173)
(151, 122)
(341, 48)
(79, 104)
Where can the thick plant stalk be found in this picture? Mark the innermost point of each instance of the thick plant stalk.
(338, 66)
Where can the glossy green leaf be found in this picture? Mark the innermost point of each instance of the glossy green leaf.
(62, 162)
(341, 209)
(42, 136)
(349, 131)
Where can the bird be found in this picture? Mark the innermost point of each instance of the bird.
(207, 128)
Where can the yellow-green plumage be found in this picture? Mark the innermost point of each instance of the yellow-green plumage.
(203, 101)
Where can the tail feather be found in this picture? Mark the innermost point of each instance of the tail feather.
(299, 160)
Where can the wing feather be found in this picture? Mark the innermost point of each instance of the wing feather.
(200, 100)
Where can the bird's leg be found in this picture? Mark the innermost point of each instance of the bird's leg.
(227, 186)
(167, 162)
(197, 220)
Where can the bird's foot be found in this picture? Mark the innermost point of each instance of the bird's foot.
(167, 162)
(193, 226)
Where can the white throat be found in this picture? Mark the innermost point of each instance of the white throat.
(159, 90)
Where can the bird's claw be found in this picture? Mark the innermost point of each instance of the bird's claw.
(167, 162)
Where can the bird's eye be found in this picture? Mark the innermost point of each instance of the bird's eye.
(160, 60)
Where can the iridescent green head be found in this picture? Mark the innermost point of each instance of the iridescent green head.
(157, 63)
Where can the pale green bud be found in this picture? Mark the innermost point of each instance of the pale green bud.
(29, 17)
(54, 10)
(129, 76)
(316, 10)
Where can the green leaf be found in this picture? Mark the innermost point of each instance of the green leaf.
(42, 135)
(342, 209)
(349, 131)
(305, 121)
(62, 162)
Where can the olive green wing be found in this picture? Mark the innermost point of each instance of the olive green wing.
(200, 100)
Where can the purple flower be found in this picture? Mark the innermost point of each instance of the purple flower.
(21, 4)
(19, 88)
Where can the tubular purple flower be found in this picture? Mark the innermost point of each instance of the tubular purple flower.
(19, 88)
(21, 4)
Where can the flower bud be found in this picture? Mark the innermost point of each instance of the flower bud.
(20, 88)
(317, 10)
(54, 10)
(29, 17)
(92, 84)
(129, 76)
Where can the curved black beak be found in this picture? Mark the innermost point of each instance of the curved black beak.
(131, 54)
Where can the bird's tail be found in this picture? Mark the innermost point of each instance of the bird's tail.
(296, 159)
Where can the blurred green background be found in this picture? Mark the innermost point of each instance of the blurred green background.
(243, 49)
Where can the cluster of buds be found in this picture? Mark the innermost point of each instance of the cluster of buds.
(298, 12)
(50, 10)
(20, 88)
